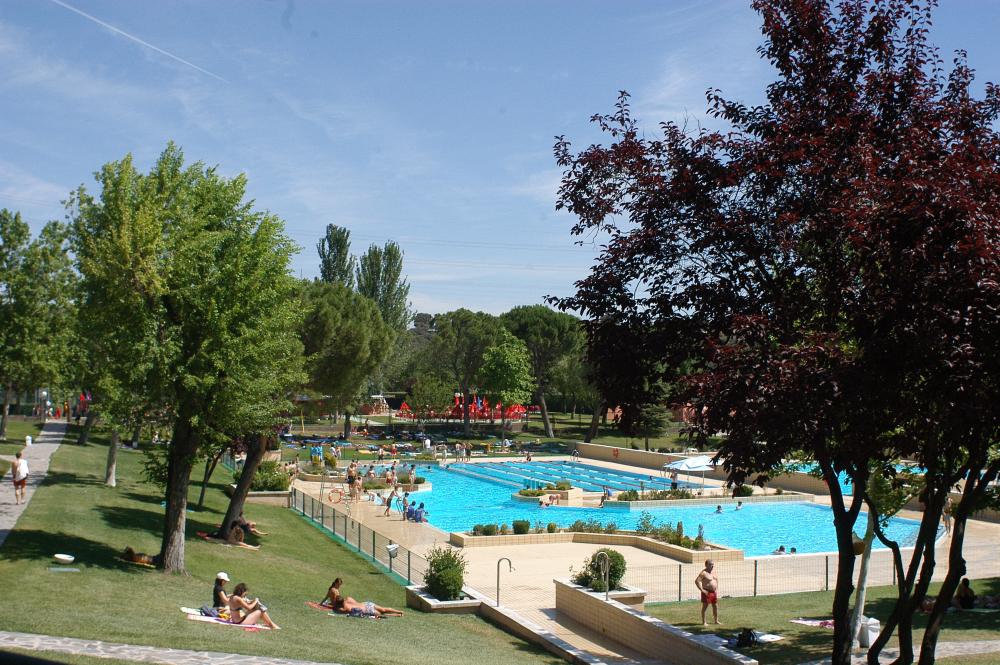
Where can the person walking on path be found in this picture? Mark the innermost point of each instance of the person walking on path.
(37, 456)
(19, 472)
(708, 584)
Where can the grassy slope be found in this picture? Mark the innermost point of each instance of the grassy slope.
(772, 614)
(16, 431)
(68, 658)
(75, 513)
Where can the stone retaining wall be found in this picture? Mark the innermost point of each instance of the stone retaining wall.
(637, 630)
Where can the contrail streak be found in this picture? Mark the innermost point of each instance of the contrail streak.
(137, 40)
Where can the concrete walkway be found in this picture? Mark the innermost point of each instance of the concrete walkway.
(37, 455)
(131, 652)
(944, 650)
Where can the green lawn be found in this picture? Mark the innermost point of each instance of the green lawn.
(16, 431)
(772, 614)
(75, 513)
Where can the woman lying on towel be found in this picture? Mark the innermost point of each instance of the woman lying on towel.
(237, 537)
(245, 612)
(366, 609)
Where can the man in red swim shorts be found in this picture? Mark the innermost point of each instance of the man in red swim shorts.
(708, 585)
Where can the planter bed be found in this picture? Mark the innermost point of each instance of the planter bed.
(621, 539)
(419, 599)
(282, 499)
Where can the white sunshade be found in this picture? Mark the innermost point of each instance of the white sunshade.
(699, 463)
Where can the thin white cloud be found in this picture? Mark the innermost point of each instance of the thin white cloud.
(139, 41)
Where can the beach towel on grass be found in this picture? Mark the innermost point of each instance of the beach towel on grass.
(318, 606)
(820, 623)
(136, 563)
(195, 615)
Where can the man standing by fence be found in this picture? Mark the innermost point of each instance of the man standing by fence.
(708, 584)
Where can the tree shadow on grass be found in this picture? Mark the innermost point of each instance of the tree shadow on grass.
(32, 544)
(63, 478)
(132, 519)
(882, 608)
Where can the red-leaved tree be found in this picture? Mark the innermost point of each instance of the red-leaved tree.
(828, 266)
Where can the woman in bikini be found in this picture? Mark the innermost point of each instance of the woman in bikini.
(247, 613)
(366, 609)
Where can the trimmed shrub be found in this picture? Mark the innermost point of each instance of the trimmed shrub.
(445, 573)
(552, 527)
(504, 529)
(419, 480)
(269, 478)
(532, 493)
(375, 484)
(610, 527)
(590, 575)
(586, 526)
(743, 490)
(490, 529)
(521, 527)
(564, 485)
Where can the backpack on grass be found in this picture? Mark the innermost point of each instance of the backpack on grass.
(747, 638)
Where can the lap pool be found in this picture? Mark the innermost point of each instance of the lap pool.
(458, 501)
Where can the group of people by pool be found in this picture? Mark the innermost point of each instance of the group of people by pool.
(238, 608)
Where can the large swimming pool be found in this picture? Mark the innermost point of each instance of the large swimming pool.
(457, 502)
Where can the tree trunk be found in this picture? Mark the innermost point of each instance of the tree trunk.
(210, 464)
(136, 433)
(595, 422)
(109, 473)
(545, 415)
(255, 453)
(844, 519)
(88, 424)
(347, 425)
(183, 448)
(859, 598)
(6, 411)
(467, 427)
(972, 495)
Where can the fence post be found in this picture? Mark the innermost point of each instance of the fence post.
(373, 545)
(359, 537)
(390, 559)
(322, 514)
(408, 567)
(827, 560)
(893, 573)
(755, 562)
(680, 569)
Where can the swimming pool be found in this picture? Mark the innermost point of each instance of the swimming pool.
(457, 502)
(846, 486)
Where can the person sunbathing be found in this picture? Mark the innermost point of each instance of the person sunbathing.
(366, 609)
(237, 537)
(332, 594)
(248, 526)
(245, 612)
(141, 558)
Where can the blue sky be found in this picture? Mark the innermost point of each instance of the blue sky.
(430, 123)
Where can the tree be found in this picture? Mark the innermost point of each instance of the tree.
(380, 278)
(457, 350)
(345, 339)
(431, 396)
(336, 265)
(36, 285)
(828, 264)
(505, 375)
(193, 283)
(650, 420)
(549, 336)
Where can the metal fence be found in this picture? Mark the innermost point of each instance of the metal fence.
(398, 561)
(764, 576)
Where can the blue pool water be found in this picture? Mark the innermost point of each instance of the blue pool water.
(457, 502)
(846, 486)
(584, 476)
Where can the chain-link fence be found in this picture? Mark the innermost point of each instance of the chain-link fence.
(403, 564)
(764, 576)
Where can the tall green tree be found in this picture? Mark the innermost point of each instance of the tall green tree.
(380, 278)
(549, 336)
(345, 340)
(193, 285)
(36, 288)
(431, 395)
(336, 265)
(457, 350)
(506, 376)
